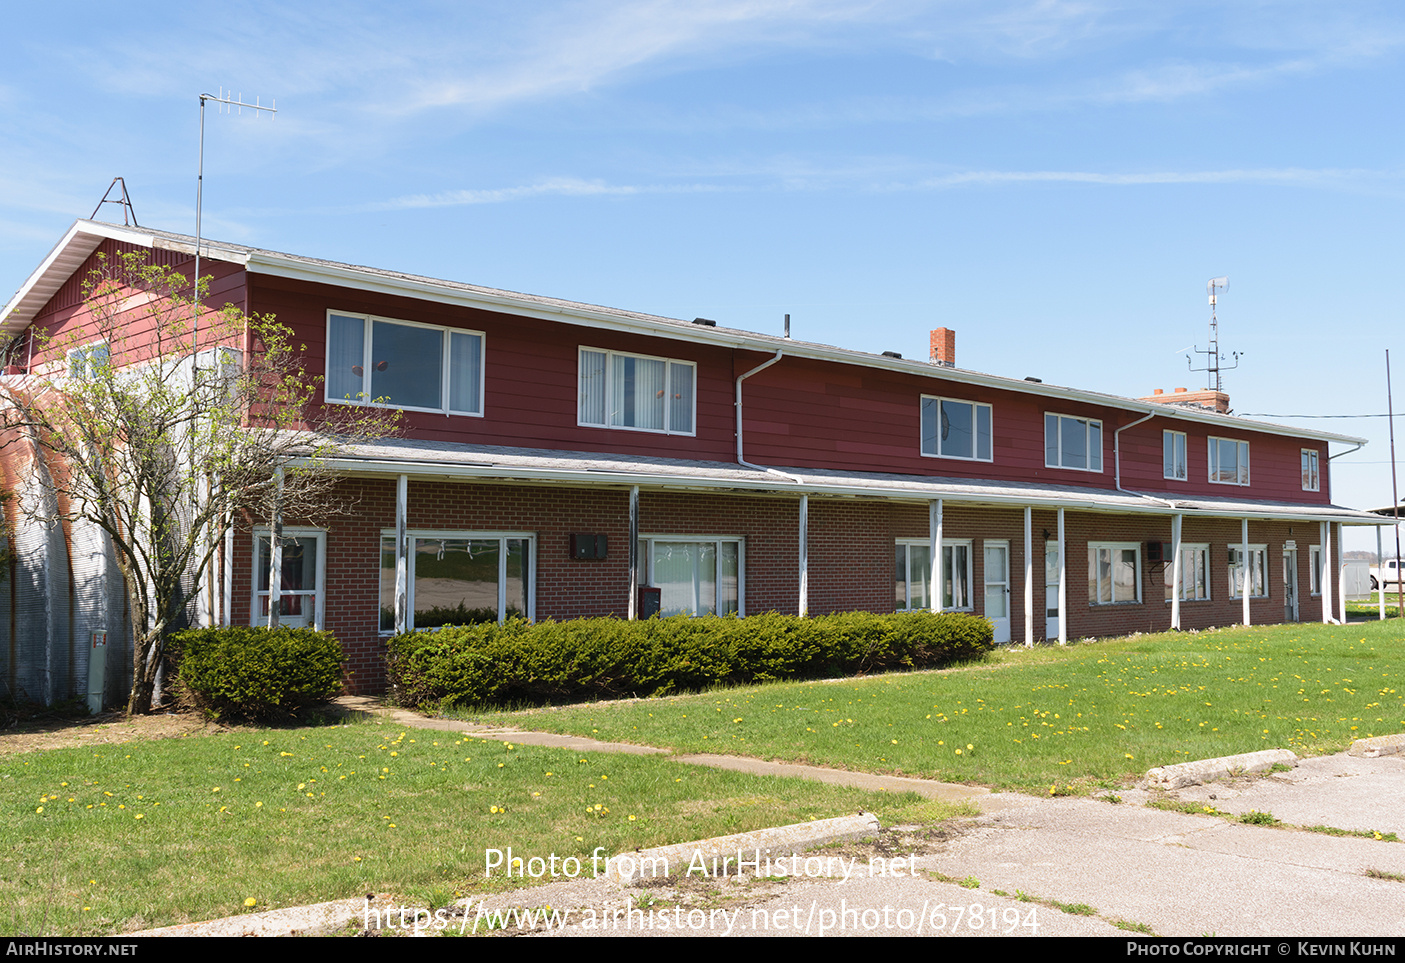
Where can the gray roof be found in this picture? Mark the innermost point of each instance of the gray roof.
(431, 459)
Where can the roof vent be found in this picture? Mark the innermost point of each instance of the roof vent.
(705, 322)
(892, 354)
(1038, 381)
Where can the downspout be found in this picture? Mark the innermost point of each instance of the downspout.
(740, 459)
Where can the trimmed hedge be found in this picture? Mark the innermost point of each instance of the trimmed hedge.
(548, 662)
(255, 672)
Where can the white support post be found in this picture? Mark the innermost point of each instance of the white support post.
(1063, 583)
(1324, 535)
(275, 555)
(1028, 576)
(1380, 570)
(402, 553)
(1341, 578)
(934, 540)
(1245, 566)
(804, 605)
(229, 577)
(633, 552)
(1176, 574)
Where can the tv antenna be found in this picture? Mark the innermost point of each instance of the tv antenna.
(124, 202)
(1213, 365)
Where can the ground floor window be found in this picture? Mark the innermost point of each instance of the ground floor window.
(1114, 572)
(912, 575)
(1195, 574)
(1315, 564)
(459, 578)
(1257, 565)
(302, 573)
(694, 576)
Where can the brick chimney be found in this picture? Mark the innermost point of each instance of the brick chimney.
(1204, 398)
(943, 348)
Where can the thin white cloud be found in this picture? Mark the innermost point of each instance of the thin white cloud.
(558, 186)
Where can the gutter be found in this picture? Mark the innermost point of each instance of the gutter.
(741, 460)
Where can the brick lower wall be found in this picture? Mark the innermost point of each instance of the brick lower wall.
(851, 555)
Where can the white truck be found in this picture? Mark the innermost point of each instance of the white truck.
(1387, 574)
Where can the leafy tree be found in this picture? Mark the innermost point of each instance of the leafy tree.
(164, 451)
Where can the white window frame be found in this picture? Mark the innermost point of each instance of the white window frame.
(1314, 557)
(979, 409)
(1174, 464)
(1241, 474)
(1312, 479)
(367, 398)
(262, 535)
(434, 533)
(669, 428)
(83, 361)
(1190, 551)
(1258, 562)
(646, 559)
(1095, 550)
(1091, 452)
(961, 577)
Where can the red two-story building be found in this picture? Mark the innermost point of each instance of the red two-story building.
(563, 460)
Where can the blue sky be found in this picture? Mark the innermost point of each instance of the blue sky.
(1054, 180)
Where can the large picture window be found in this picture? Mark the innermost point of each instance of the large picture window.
(637, 392)
(401, 364)
(458, 578)
(694, 576)
(1229, 461)
(1073, 443)
(302, 572)
(955, 429)
(912, 575)
(1257, 565)
(1114, 572)
(1195, 574)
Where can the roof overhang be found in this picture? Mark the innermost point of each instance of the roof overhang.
(84, 237)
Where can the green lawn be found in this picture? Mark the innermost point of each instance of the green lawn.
(142, 834)
(1090, 712)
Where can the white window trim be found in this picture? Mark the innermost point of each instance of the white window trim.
(1314, 557)
(1312, 479)
(1255, 551)
(1200, 548)
(80, 359)
(1088, 453)
(1179, 447)
(975, 406)
(430, 533)
(646, 562)
(952, 543)
(668, 428)
(1242, 452)
(1114, 547)
(262, 534)
(365, 398)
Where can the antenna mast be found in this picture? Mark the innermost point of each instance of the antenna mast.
(1213, 355)
(124, 202)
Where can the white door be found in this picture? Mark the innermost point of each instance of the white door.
(997, 588)
(1051, 589)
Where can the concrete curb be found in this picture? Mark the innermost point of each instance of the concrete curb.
(1208, 770)
(320, 919)
(721, 855)
(1390, 745)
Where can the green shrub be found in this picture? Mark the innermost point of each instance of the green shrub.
(545, 662)
(257, 673)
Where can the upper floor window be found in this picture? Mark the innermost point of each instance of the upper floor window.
(1229, 461)
(636, 391)
(1311, 481)
(1173, 464)
(87, 362)
(955, 429)
(1073, 443)
(403, 364)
